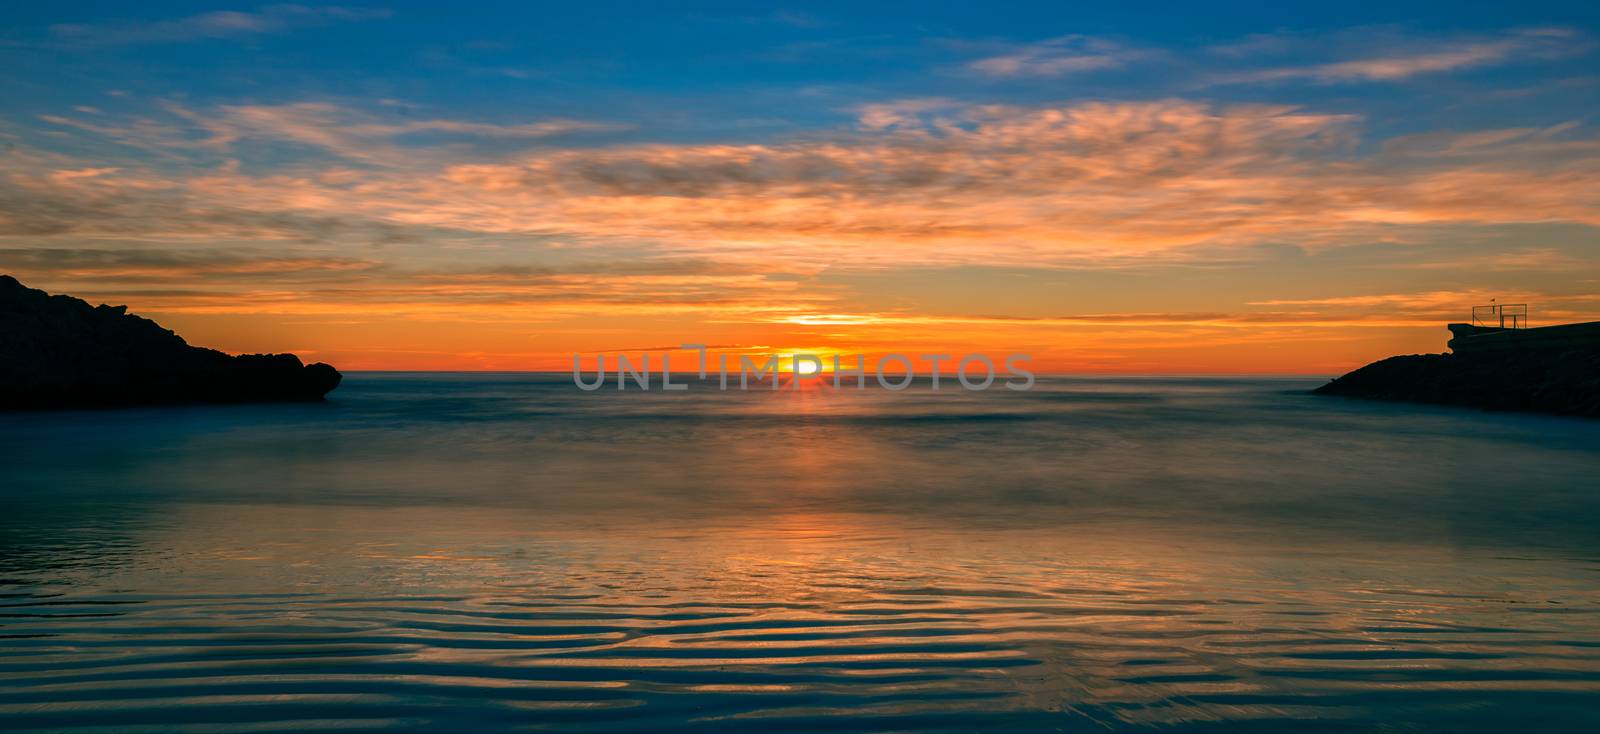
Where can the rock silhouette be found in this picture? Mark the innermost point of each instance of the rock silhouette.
(1564, 381)
(60, 352)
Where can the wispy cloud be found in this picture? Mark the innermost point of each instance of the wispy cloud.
(357, 134)
(156, 264)
(319, 280)
(922, 181)
(1432, 308)
(1255, 44)
(213, 25)
(347, 132)
(1422, 56)
(1057, 57)
(792, 18)
(1412, 301)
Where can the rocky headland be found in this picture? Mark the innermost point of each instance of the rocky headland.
(61, 352)
(1552, 369)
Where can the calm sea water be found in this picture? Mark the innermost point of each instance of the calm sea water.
(469, 552)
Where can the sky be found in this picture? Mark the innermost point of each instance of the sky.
(1109, 188)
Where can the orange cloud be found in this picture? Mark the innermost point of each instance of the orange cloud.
(918, 183)
(639, 243)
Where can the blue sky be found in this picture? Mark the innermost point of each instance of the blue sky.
(733, 69)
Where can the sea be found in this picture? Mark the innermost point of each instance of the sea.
(486, 552)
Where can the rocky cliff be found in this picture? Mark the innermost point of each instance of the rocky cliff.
(60, 352)
(1564, 380)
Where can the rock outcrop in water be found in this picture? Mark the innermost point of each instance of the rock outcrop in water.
(60, 352)
(1563, 380)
